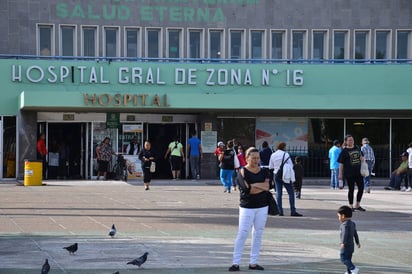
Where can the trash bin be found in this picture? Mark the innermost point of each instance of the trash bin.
(33, 173)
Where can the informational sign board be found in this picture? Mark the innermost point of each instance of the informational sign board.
(209, 141)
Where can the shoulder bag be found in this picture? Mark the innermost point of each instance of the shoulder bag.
(279, 174)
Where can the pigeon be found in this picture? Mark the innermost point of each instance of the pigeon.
(117, 272)
(71, 248)
(112, 231)
(139, 261)
(46, 267)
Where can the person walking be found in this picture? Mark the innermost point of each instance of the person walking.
(177, 157)
(298, 169)
(253, 184)
(42, 153)
(334, 152)
(104, 154)
(146, 157)
(349, 168)
(194, 154)
(409, 151)
(219, 150)
(229, 162)
(370, 160)
(348, 233)
(265, 152)
(276, 159)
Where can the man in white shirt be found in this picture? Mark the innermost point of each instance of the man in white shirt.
(409, 150)
(276, 159)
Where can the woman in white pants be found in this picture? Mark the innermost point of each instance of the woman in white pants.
(253, 210)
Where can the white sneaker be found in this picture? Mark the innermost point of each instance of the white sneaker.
(408, 189)
(403, 189)
(355, 270)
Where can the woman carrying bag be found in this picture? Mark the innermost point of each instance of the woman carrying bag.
(146, 157)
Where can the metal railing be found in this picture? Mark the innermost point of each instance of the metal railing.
(211, 60)
(315, 159)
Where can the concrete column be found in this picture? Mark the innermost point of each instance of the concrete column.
(27, 140)
(208, 166)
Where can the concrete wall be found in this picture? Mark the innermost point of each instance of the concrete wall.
(18, 19)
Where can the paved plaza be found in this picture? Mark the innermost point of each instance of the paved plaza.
(190, 227)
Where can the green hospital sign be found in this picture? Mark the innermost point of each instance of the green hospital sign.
(43, 84)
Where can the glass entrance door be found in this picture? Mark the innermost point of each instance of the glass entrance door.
(98, 133)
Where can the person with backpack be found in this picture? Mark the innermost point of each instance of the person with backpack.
(280, 162)
(228, 164)
(177, 157)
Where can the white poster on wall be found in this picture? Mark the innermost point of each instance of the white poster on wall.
(134, 167)
(209, 141)
(292, 131)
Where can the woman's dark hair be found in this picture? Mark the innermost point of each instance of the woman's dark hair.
(265, 144)
(348, 136)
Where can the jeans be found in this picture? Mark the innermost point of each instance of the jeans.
(396, 180)
(334, 178)
(194, 165)
(367, 179)
(289, 188)
(250, 218)
(226, 176)
(346, 258)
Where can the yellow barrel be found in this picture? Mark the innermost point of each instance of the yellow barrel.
(33, 173)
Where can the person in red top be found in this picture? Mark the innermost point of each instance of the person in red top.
(219, 150)
(241, 156)
(42, 152)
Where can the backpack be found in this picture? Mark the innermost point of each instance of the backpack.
(279, 174)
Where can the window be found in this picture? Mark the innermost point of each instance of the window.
(215, 44)
(319, 49)
(236, 44)
(67, 40)
(111, 38)
(174, 40)
(153, 43)
(403, 44)
(382, 45)
(132, 37)
(298, 44)
(45, 36)
(340, 45)
(195, 43)
(257, 44)
(89, 41)
(278, 44)
(362, 47)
